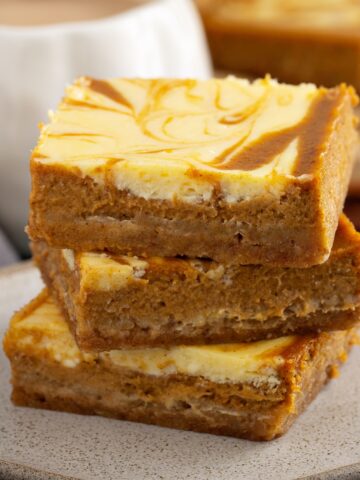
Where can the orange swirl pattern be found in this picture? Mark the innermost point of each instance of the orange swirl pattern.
(238, 125)
(310, 132)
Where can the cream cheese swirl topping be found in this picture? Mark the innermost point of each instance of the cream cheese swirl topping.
(182, 139)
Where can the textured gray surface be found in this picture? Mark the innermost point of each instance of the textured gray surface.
(56, 445)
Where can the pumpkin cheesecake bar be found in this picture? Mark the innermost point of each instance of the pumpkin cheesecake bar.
(118, 301)
(251, 173)
(294, 40)
(252, 391)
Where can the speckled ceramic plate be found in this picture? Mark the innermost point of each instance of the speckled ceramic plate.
(323, 444)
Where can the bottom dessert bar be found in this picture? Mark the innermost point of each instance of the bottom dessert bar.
(252, 391)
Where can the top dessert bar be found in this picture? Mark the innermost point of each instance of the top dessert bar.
(224, 169)
(294, 40)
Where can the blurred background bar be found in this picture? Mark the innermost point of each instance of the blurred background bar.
(293, 40)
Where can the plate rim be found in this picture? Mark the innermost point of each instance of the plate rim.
(16, 471)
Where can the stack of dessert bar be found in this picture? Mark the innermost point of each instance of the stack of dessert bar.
(200, 273)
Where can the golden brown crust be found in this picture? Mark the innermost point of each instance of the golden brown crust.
(179, 301)
(98, 218)
(176, 401)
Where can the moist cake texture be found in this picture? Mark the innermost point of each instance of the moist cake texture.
(294, 40)
(252, 391)
(225, 169)
(120, 301)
